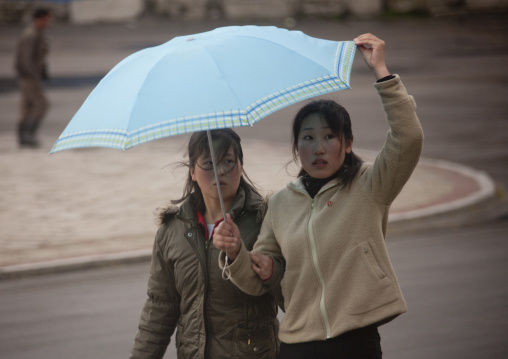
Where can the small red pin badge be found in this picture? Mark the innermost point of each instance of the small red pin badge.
(329, 203)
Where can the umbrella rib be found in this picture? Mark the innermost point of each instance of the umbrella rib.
(222, 74)
(290, 49)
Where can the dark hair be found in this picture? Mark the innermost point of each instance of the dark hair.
(339, 122)
(198, 145)
(40, 13)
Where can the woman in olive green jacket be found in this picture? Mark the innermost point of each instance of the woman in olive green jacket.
(212, 317)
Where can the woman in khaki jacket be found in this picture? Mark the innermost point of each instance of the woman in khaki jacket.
(212, 317)
(323, 237)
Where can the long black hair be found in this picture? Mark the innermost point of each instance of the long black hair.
(198, 145)
(339, 122)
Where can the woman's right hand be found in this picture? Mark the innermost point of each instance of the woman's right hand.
(226, 237)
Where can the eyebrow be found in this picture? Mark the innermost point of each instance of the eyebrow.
(312, 128)
(225, 155)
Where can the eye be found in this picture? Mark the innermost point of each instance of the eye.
(329, 136)
(307, 137)
(206, 164)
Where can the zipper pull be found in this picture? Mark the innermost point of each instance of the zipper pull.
(312, 203)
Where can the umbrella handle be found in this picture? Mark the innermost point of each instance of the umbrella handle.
(226, 272)
(212, 154)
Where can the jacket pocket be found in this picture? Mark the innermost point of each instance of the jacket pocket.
(364, 285)
(184, 335)
(255, 344)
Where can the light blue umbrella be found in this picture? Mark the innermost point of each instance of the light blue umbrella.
(228, 77)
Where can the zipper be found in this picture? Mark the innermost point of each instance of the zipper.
(315, 261)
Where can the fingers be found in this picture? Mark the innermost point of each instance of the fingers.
(226, 237)
(259, 258)
(228, 224)
(256, 269)
(223, 239)
(373, 50)
(261, 264)
(368, 41)
(256, 260)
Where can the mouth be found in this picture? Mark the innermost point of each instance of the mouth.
(319, 163)
(221, 183)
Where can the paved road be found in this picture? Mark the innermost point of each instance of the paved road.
(453, 278)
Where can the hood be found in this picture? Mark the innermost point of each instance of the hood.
(244, 201)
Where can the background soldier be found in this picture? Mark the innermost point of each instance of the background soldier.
(31, 70)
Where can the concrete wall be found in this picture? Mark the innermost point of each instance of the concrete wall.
(269, 9)
(446, 7)
(84, 11)
(237, 9)
(87, 11)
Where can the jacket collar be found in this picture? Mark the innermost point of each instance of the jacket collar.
(242, 202)
(202, 222)
(298, 185)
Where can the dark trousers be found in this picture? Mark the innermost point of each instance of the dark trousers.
(34, 103)
(363, 343)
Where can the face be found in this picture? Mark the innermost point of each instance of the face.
(229, 171)
(43, 22)
(321, 152)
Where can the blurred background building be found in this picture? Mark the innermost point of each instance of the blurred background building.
(89, 11)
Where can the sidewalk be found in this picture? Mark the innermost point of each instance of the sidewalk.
(90, 207)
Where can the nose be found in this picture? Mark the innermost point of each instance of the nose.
(220, 169)
(319, 147)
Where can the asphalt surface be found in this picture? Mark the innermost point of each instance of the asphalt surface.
(88, 207)
(454, 281)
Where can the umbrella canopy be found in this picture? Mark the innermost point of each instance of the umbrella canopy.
(228, 77)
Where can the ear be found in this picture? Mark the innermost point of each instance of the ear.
(193, 177)
(349, 147)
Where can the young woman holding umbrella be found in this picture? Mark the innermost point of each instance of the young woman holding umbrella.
(212, 317)
(323, 237)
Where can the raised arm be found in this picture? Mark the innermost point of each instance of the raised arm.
(401, 151)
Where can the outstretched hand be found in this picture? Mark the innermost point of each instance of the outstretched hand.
(373, 50)
(226, 237)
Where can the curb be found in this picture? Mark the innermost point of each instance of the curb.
(487, 189)
(74, 264)
(456, 211)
